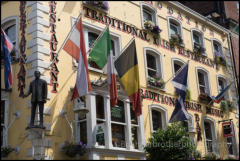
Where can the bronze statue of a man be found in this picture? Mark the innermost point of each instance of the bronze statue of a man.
(38, 89)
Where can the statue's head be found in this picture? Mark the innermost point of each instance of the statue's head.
(37, 74)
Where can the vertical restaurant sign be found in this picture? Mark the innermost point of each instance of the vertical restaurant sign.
(53, 47)
(22, 48)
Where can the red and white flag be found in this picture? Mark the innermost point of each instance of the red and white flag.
(112, 80)
(75, 46)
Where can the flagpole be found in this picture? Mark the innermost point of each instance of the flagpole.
(95, 42)
(125, 47)
(177, 72)
(79, 16)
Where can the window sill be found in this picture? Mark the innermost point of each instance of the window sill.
(116, 149)
(156, 88)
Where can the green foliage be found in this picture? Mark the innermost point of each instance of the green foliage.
(71, 149)
(210, 156)
(227, 106)
(6, 150)
(188, 95)
(170, 144)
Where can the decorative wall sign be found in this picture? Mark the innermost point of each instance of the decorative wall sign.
(199, 134)
(163, 99)
(142, 34)
(53, 47)
(22, 48)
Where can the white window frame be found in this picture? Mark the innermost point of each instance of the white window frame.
(164, 117)
(7, 22)
(224, 79)
(207, 80)
(5, 98)
(202, 41)
(179, 27)
(152, 9)
(214, 134)
(92, 122)
(95, 29)
(158, 56)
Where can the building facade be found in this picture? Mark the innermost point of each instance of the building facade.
(226, 14)
(39, 30)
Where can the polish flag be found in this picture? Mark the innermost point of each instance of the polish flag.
(75, 46)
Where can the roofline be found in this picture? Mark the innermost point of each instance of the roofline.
(201, 17)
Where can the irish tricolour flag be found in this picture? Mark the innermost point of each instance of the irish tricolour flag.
(102, 54)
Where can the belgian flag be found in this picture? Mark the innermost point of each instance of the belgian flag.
(127, 68)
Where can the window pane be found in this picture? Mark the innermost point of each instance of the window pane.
(176, 67)
(101, 140)
(208, 132)
(156, 120)
(118, 136)
(230, 146)
(152, 73)
(117, 112)
(201, 78)
(220, 85)
(151, 62)
(91, 38)
(134, 138)
(216, 47)
(11, 32)
(147, 16)
(83, 132)
(173, 29)
(196, 38)
(133, 117)
(100, 107)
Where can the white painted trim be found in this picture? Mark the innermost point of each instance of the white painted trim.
(107, 113)
(214, 134)
(151, 8)
(177, 21)
(9, 21)
(208, 79)
(164, 113)
(157, 54)
(128, 129)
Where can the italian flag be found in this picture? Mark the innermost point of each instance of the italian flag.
(102, 54)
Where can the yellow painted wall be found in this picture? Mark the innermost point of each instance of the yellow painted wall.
(130, 13)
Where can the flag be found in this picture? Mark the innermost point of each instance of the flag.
(7, 47)
(75, 46)
(180, 83)
(219, 97)
(101, 50)
(102, 54)
(127, 68)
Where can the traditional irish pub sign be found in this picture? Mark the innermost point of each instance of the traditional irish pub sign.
(144, 35)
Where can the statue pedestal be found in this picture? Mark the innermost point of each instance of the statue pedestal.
(36, 135)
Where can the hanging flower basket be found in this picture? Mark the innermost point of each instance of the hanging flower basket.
(156, 82)
(220, 58)
(102, 5)
(205, 98)
(6, 150)
(71, 149)
(198, 49)
(176, 40)
(227, 106)
(150, 26)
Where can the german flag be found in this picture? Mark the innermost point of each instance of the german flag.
(127, 68)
